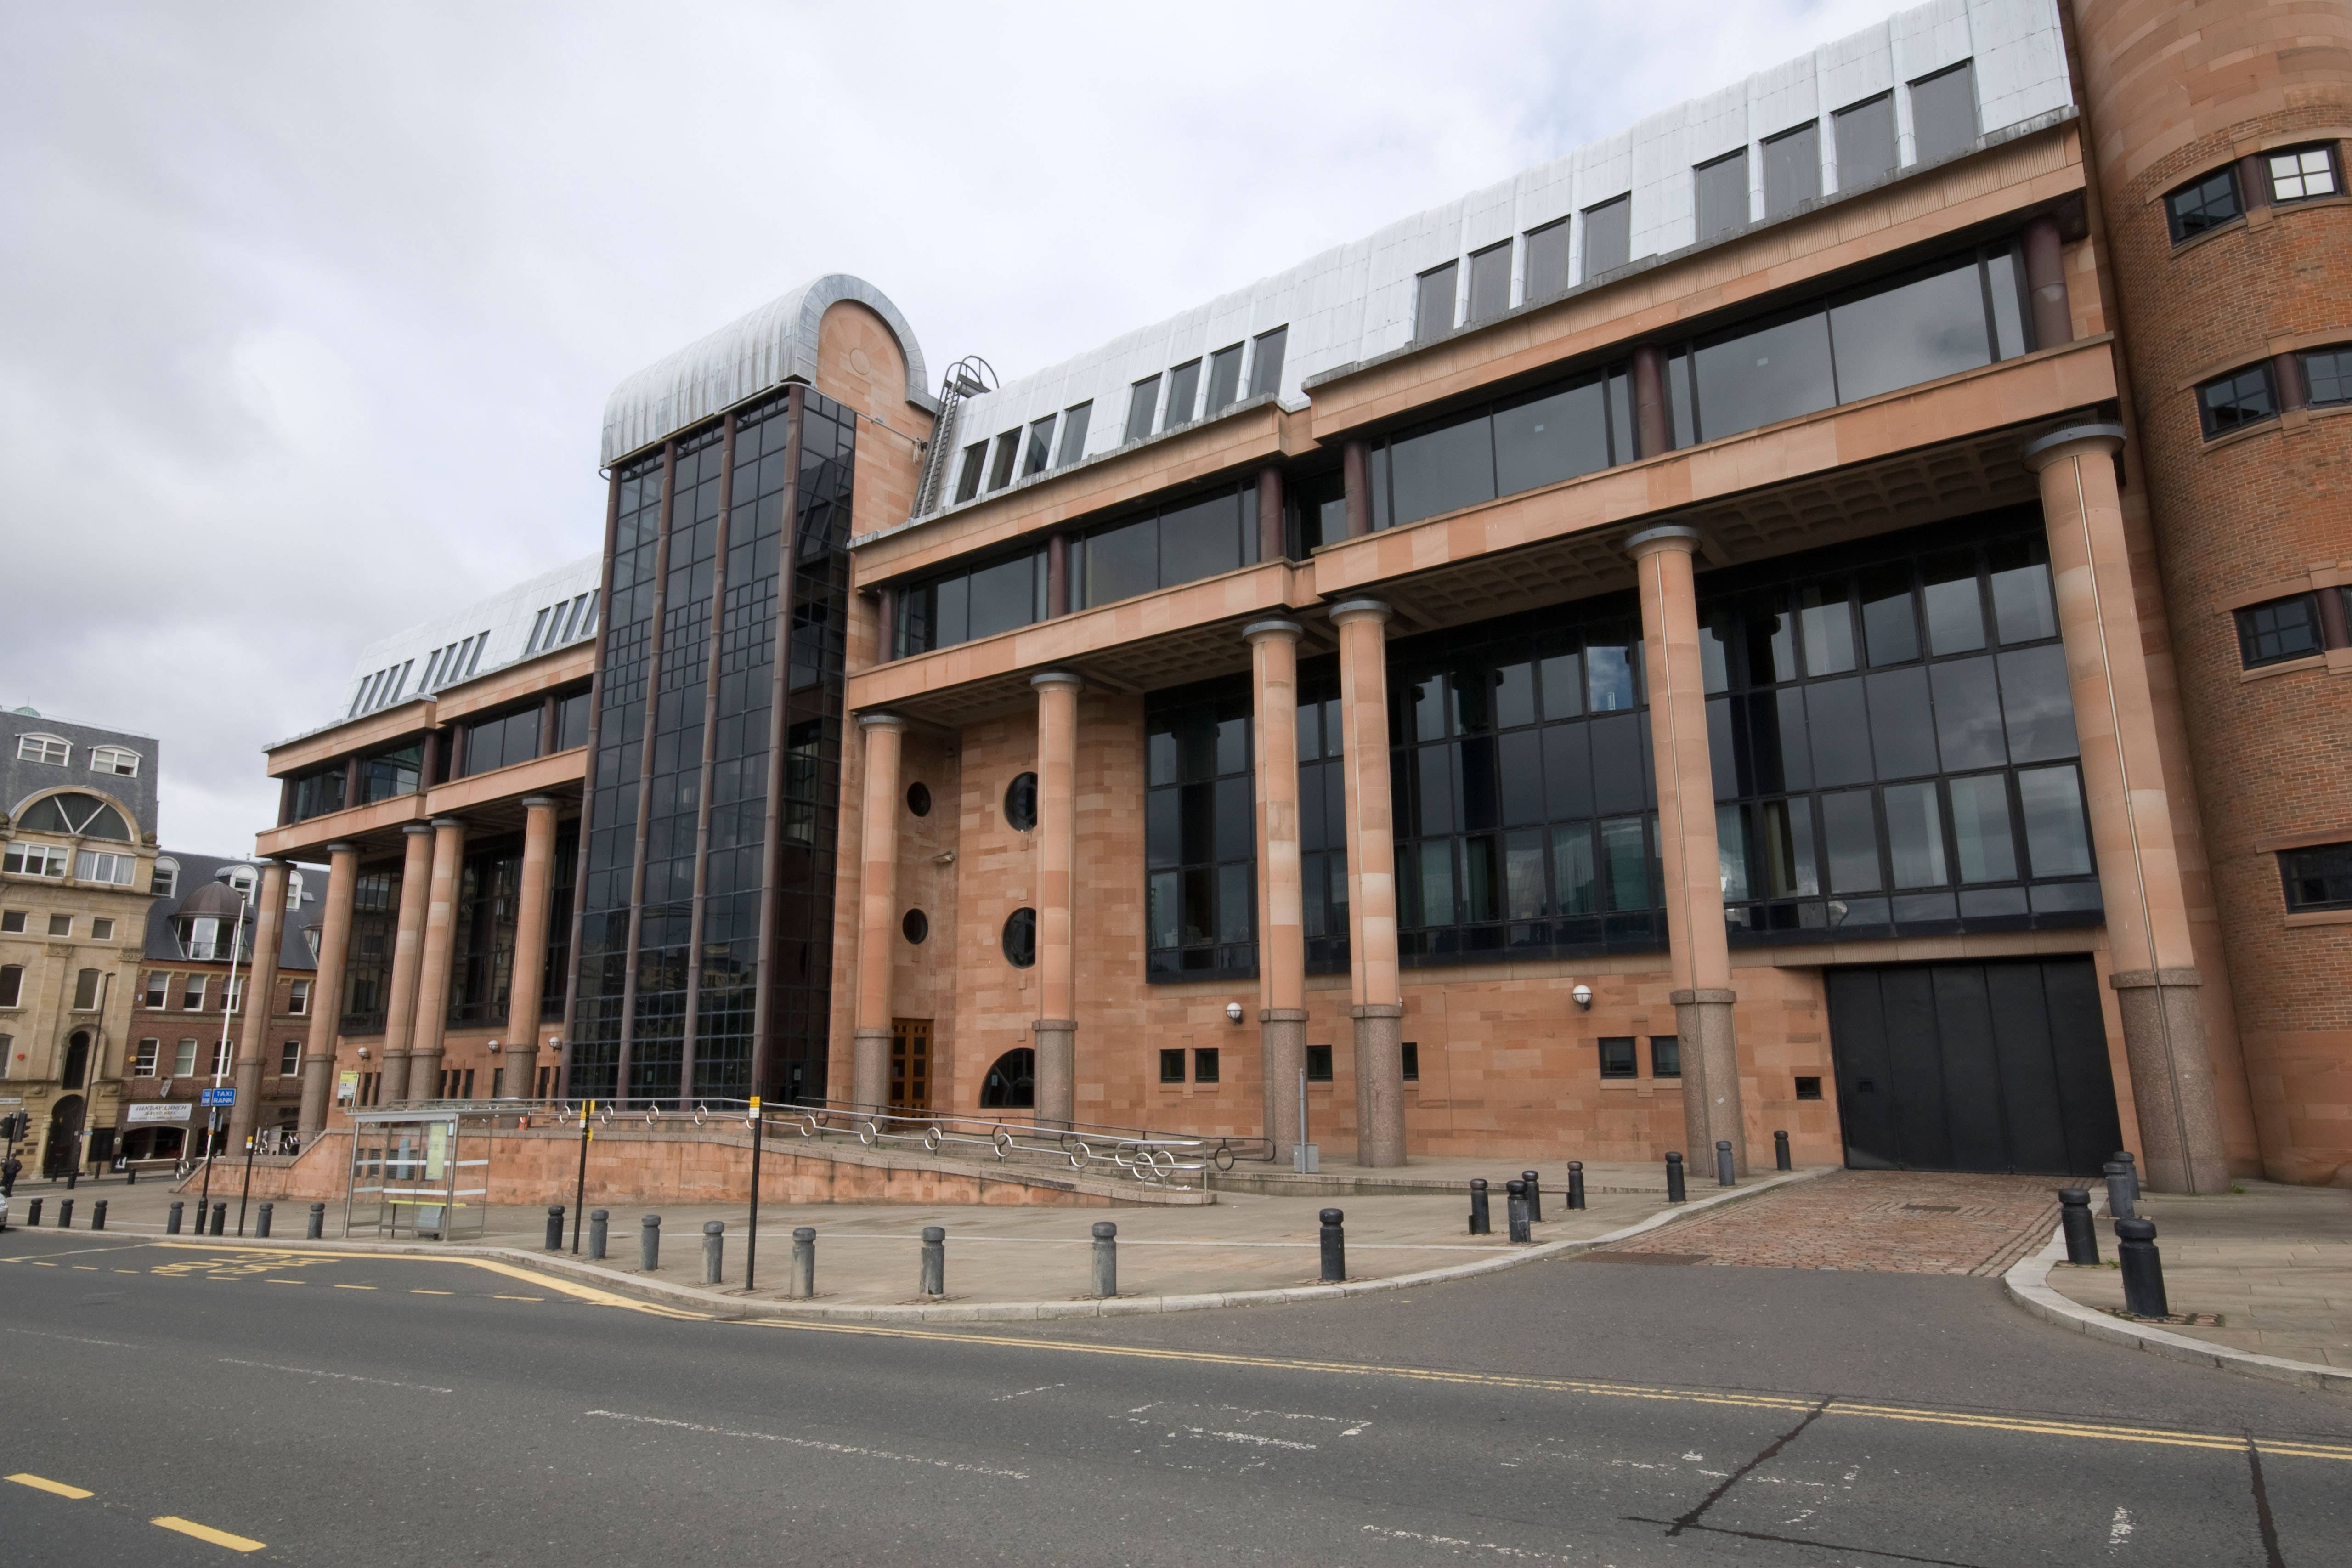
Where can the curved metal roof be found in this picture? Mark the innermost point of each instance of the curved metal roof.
(765, 348)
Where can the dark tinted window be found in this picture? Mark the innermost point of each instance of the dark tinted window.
(1011, 1081)
(1265, 362)
(2282, 629)
(1123, 562)
(1191, 540)
(1204, 1064)
(976, 602)
(503, 742)
(2233, 402)
(2318, 877)
(571, 722)
(1200, 832)
(1433, 302)
(1074, 434)
(1757, 375)
(1200, 539)
(1546, 267)
(1171, 1065)
(1866, 148)
(1142, 400)
(1000, 467)
(1318, 1064)
(1490, 281)
(1442, 469)
(1003, 595)
(1608, 236)
(1721, 194)
(2328, 376)
(975, 458)
(918, 799)
(1928, 325)
(1020, 803)
(1021, 938)
(389, 773)
(1183, 395)
(1792, 169)
(1617, 1057)
(2206, 201)
(916, 927)
(315, 794)
(1225, 378)
(1944, 112)
(1040, 455)
(1665, 1056)
(1555, 436)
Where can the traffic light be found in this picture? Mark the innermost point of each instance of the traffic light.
(14, 1125)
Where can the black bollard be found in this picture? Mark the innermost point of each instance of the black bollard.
(65, 1213)
(714, 1251)
(1780, 1152)
(555, 1227)
(649, 1243)
(2119, 1191)
(1517, 1209)
(2143, 1269)
(261, 1222)
(1725, 1175)
(220, 1218)
(1481, 1222)
(2074, 1219)
(172, 1220)
(318, 1225)
(1534, 1180)
(1576, 1183)
(1675, 1191)
(2131, 1168)
(1335, 1246)
(98, 1216)
(934, 1278)
(803, 1263)
(1106, 1260)
(130, 1175)
(600, 1225)
(72, 1178)
(33, 1215)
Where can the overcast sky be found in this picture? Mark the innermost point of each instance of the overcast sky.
(308, 312)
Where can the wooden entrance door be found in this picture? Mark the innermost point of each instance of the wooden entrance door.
(910, 1065)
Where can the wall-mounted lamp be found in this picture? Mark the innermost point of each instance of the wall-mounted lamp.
(364, 1053)
(1582, 996)
(494, 1047)
(1233, 1011)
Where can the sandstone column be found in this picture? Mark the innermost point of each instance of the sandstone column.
(433, 971)
(2156, 975)
(1698, 953)
(1379, 1009)
(1282, 929)
(521, 1043)
(327, 988)
(408, 955)
(259, 997)
(877, 901)
(1057, 1002)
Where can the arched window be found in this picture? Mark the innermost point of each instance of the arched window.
(120, 761)
(1011, 1082)
(1021, 938)
(293, 891)
(167, 877)
(72, 811)
(1020, 803)
(244, 879)
(54, 749)
(76, 1060)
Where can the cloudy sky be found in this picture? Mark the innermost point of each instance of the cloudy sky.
(307, 311)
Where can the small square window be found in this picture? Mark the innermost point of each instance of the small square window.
(1722, 195)
(1608, 236)
(1809, 1088)
(1665, 1056)
(1547, 265)
(1490, 281)
(2229, 402)
(101, 930)
(1041, 446)
(158, 993)
(61, 925)
(1944, 111)
(1074, 434)
(1266, 361)
(1142, 402)
(2318, 877)
(1318, 1064)
(11, 920)
(1792, 169)
(1617, 1058)
(1183, 395)
(2299, 173)
(1225, 379)
(2328, 376)
(1411, 1061)
(2279, 630)
(2207, 201)
(1171, 1067)
(1204, 1065)
(1433, 302)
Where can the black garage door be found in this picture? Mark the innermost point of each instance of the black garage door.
(1973, 1067)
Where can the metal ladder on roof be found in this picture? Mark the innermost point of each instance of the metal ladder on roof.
(968, 377)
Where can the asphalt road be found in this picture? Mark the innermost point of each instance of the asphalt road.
(373, 1409)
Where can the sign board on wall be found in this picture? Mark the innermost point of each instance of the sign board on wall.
(347, 1087)
(163, 1111)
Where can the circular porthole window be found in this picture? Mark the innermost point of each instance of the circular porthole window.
(917, 925)
(1020, 803)
(918, 799)
(1021, 939)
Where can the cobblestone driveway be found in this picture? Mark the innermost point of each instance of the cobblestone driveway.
(1898, 1222)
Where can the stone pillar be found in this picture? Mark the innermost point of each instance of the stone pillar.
(260, 989)
(1379, 1009)
(1653, 421)
(327, 988)
(433, 970)
(1698, 953)
(1282, 916)
(1057, 1001)
(407, 957)
(2046, 283)
(1356, 488)
(877, 903)
(2156, 975)
(520, 1055)
(1271, 545)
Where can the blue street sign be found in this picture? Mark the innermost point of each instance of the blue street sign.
(220, 1095)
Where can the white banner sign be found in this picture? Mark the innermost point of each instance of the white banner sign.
(160, 1110)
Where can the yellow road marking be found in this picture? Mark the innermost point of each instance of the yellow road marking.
(343, 1286)
(588, 1293)
(517, 1298)
(2027, 1425)
(206, 1532)
(87, 1267)
(38, 1264)
(432, 1292)
(126, 1272)
(285, 1281)
(42, 1483)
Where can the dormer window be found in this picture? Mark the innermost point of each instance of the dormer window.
(52, 750)
(120, 761)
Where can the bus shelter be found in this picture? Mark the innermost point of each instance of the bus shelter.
(421, 1172)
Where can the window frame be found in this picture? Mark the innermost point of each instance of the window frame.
(2329, 150)
(1613, 1064)
(34, 746)
(2288, 877)
(2251, 634)
(1436, 292)
(107, 760)
(2208, 421)
(2183, 224)
(2340, 373)
(51, 862)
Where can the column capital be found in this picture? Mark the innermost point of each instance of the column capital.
(880, 721)
(534, 802)
(1288, 631)
(340, 848)
(1058, 677)
(1360, 610)
(1677, 536)
(442, 823)
(419, 828)
(2073, 440)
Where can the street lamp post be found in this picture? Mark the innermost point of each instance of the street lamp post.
(220, 1055)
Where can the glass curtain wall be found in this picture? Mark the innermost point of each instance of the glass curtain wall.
(489, 897)
(1200, 832)
(1322, 818)
(563, 878)
(367, 966)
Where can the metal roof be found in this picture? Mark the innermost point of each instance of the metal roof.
(773, 344)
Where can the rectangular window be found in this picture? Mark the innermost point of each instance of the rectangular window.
(99, 866)
(2206, 201)
(233, 993)
(1608, 236)
(1000, 466)
(2233, 401)
(158, 992)
(1318, 1064)
(1944, 112)
(317, 793)
(192, 993)
(183, 1059)
(11, 920)
(1546, 261)
(2328, 376)
(1200, 832)
(1792, 169)
(1490, 281)
(12, 984)
(2056, 841)
(1225, 379)
(61, 925)
(1142, 401)
(1171, 1065)
(1617, 1056)
(101, 931)
(142, 1063)
(1041, 446)
(46, 749)
(224, 1057)
(2280, 630)
(1432, 303)
(120, 760)
(975, 461)
(1074, 434)
(35, 861)
(2318, 877)
(86, 984)
(1665, 1056)
(1265, 362)
(290, 1059)
(1204, 1064)
(1809, 1088)
(391, 774)
(1183, 395)
(1411, 1053)
(2299, 173)
(1721, 194)
(1866, 148)
(298, 1000)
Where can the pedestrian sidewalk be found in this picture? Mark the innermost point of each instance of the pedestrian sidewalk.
(2273, 1263)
